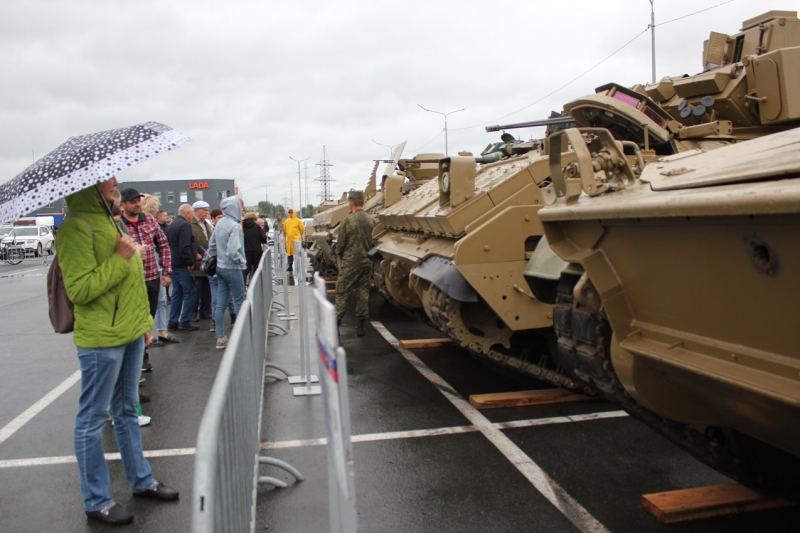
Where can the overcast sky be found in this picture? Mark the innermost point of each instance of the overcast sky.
(255, 82)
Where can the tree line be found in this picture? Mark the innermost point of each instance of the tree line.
(271, 210)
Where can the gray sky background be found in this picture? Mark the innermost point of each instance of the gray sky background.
(254, 82)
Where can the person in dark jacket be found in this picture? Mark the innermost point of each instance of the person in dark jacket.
(254, 239)
(184, 253)
(201, 229)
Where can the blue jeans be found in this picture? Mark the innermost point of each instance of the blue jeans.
(230, 286)
(161, 310)
(109, 376)
(212, 281)
(183, 295)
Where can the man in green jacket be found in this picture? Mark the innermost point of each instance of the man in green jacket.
(104, 279)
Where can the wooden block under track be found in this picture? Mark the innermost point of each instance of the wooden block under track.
(425, 343)
(707, 502)
(526, 397)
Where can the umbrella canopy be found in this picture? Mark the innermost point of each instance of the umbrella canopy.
(82, 162)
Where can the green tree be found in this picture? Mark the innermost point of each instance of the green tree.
(269, 209)
(308, 211)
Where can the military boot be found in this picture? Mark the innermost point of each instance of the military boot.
(360, 327)
(291, 263)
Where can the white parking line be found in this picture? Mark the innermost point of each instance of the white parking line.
(367, 437)
(548, 487)
(14, 426)
(17, 272)
(69, 459)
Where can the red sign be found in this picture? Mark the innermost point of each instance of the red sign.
(199, 185)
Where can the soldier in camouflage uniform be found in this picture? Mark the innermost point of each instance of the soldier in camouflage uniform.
(278, 224)
(355, 268)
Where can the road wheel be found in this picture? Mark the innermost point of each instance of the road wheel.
(38, 252)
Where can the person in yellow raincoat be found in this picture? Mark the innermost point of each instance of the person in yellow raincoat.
(293, 228)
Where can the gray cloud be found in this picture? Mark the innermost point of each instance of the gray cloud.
(256, 82)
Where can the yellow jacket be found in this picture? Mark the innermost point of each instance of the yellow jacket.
(293, 227)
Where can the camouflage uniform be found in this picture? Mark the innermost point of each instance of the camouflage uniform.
(355, 268)
(278, 225)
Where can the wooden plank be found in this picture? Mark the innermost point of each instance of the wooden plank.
(526, 397)
(707, 502)
(425, 343)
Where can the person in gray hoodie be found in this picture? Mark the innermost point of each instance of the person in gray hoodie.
(227, 245)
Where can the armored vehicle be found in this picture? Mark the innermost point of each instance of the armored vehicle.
(748, 88)
(453, 251)
(672, 284)
(322, 234)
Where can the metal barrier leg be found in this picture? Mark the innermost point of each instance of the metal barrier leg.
(283, 465)
(272, 375)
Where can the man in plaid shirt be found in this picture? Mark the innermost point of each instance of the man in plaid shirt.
(145, 231)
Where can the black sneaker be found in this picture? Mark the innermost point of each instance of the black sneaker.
(173, 326)
(159, 492)
(190, 327)
(144, 398)
(114, 515)
(147, 367)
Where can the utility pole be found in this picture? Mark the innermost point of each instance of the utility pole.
(446, 153)
(391, 148)
(291, 196)
(653, 39)
(299, 182)
(305, 178)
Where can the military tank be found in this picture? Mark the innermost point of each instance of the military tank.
(672, 287)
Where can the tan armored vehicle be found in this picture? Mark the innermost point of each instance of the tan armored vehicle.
(453, 252)
(674, 286)
(322, 235)
(748, 88)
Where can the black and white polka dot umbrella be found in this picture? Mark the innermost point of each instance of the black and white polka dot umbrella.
(81, 162)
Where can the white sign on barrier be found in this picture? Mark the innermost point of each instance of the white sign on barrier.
(333, 378)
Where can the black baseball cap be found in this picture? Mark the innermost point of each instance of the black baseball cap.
(130, 194)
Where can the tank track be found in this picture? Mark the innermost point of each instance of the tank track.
(379, 279)
(447, 319)
(584, 338)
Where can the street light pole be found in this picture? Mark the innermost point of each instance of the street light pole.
(446, 152)
(391, 148)
(299, 183)
(653, 39)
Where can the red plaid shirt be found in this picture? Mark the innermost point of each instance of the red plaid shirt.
(147, 232)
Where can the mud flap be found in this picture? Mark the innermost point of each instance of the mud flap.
(544, 272)
(444, 274)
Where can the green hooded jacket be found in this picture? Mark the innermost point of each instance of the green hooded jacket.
(109, 293)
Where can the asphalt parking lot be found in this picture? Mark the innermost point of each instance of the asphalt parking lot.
(423, 461)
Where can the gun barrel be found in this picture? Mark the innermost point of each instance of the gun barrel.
(532, 124)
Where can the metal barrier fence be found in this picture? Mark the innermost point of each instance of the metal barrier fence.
(227, 456)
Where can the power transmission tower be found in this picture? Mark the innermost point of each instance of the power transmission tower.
(325, 176)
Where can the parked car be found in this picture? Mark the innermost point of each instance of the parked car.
(36, 239)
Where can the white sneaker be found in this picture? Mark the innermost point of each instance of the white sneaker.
(144, 420)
